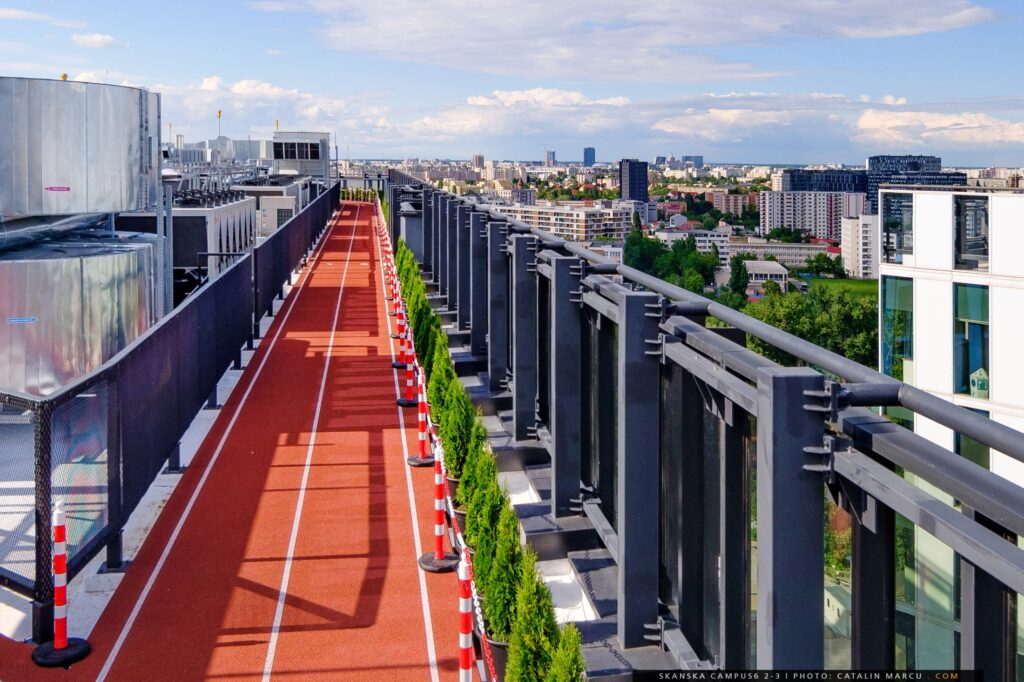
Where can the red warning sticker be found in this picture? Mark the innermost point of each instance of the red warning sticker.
(58, 189)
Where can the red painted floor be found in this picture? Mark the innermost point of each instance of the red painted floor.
(206, 607)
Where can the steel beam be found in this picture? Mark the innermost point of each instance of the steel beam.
(478, 283)
(790, 537)
(497, 306)
(524, 337)
(463, 267)
(566, 326)
(638, 494)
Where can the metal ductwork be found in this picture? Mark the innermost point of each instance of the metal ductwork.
(19, 233)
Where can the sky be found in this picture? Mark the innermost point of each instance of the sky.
(771, 81)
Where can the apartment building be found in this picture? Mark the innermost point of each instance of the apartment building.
(951, 323)
(859, 244)
(819, 213)
(577, 223)
(729, 203)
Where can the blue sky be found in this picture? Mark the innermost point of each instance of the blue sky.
(784, 81)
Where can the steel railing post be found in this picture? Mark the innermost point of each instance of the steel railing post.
(462, 229)
(497, 305)
(524, 336)
(478, 283)
(637, 498)
(790, 536)
(565, 381)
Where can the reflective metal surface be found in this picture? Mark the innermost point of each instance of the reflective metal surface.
(18, 233)
(68, 147)
(70, 305)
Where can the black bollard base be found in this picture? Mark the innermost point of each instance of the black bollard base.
(414, 461)
(398, 365)
(431, 564)
(46, 656)
(405, 402)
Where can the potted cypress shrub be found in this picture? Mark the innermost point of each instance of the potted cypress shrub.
(456, 431)
(567, 664)
(482, 520)
(468, 481)
(442, 374)
(503, 580)
(534, 633)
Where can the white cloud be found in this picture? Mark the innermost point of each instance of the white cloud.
(653, 41)
(918, 128)
(273, 52)
(250, 107)
(893, 100)
(94, 40)
(11, 14)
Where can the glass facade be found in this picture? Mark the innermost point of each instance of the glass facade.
(898, 327)
(970, 340)
(897, 226)
(970, 233)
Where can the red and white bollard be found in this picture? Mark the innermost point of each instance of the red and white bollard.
(465, 624)
(424, 458)
(62, 651)
(402, 360)
(409, 400)
(438, 561)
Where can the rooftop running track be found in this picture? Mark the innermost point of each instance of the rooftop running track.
(289, 549)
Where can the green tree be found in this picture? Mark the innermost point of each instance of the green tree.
(693, 281)
(504, 578)
(772, 288)
(739, 278)
(641, 251)
(456, 429)
(535, 633)
(636, 221)
(567, 665)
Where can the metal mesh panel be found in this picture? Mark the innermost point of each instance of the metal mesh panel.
(17, 494)
(78, 463)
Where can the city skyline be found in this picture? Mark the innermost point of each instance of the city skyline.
(803, 82)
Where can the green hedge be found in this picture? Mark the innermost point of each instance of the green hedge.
(517, 604)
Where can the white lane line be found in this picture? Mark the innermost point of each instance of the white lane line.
(424, 600)
(282, 594)
(291, 303)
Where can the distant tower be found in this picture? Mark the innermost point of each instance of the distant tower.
(589, 156)
(549, 157)
(478, 161)
(633, 180)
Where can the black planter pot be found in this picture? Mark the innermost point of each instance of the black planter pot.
(453, 486)
(499, 654)
(460, 517)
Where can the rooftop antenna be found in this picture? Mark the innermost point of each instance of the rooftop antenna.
(218, 123)
(277, 124)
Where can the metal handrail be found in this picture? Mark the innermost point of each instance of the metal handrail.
(998, 436)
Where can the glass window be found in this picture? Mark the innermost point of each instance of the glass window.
(303, 150)
(314, 151)
(289, 150)
(278, 150)
(897, 226)
(970, 340)
(970, 232)
(898, 327)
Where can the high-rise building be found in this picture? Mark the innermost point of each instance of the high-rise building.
(549, 157)
(830, 180)
(633, 180)
(907, 170)
(478, 161)
(589, 156)
(659, 160)
(696, 159)
(819, 213)
(859, 246)
(950, 324)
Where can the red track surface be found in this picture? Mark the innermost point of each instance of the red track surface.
(352, 609)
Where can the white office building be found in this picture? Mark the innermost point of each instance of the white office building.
(952, 323)
(819, 213)
(859, 244)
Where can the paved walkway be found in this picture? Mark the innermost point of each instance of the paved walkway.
(289, 549)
